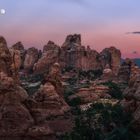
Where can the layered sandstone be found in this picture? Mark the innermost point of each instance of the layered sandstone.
(73, 55)
(92, 94)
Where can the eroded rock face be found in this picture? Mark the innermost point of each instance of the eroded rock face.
(50, 55)
(16, 121)
(128, 71)
(31, 58)
(18, 47)
(5, 57)
(124, 71)
(112, 57)
(77, 56)
(54, 77)
(47, 103)
(12, 111)
(48, 100)
(132, 101)
(73, 55)
(16, 57)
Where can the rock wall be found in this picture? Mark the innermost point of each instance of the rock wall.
(73, 55)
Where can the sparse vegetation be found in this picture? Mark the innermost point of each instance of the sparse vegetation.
(91, 74)
(114, 91)
(102, 122)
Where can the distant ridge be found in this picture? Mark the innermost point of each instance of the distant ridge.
(137, 61)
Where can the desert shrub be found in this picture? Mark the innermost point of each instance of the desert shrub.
(91, 74)
(114, 90)
(74, 102)
(68, 91)
(68, 69)
(72, 80)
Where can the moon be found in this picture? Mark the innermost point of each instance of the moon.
(2, 11)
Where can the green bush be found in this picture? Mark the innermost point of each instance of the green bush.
(91, 74)
(74, 102)
(114, 90)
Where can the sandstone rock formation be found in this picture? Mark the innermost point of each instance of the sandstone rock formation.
(31, 58)
(47, 105)
(128, 71)
(18, 47)
(50, 55)
(112, 57)
(16, 121)
(48, 100)
(124, 72)
(12, 111)
(5, 57)
(73, 55)
(16, 58)
(77, 56)
(54, 77)
(132, 101)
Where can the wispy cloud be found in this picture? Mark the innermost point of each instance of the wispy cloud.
(136, 32)
(83, 3)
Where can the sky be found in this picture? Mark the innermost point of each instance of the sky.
(101, 23)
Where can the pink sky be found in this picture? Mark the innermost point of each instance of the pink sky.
(101, 23)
